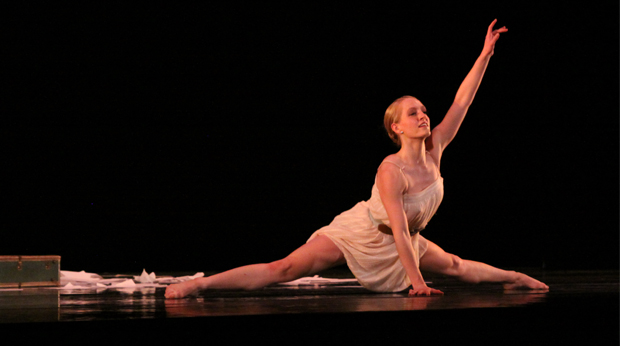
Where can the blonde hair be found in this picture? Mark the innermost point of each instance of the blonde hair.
(392, 115)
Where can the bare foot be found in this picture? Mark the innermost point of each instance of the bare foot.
(182, 289)
(525, 282)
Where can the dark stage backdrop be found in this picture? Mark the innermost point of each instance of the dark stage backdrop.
(202, 138)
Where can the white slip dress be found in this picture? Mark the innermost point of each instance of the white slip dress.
(371, 254)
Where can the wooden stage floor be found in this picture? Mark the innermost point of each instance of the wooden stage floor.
(581, 306)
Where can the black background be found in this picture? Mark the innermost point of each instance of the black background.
(202, 138)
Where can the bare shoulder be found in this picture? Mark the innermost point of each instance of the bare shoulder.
(389, 176)
(391, 157)
(390, 165)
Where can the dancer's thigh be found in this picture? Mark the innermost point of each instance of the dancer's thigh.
(316, 255)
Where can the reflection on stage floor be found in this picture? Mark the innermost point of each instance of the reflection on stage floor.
(587, 300)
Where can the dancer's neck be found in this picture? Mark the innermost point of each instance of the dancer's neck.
(413, 153)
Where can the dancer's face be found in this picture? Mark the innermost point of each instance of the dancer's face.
(413, 120)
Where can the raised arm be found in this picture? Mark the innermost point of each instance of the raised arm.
(391, 186)
(443, 133)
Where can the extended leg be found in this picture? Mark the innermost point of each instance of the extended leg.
(317, 255)
(436, 260)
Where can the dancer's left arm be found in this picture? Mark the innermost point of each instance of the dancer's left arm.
(443, 133)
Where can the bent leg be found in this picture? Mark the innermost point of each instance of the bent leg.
(318, 254)
(436, 260)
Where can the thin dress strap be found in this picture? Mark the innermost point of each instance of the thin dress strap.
(401, 172)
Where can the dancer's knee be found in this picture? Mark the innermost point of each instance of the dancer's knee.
(281, 270)
(455, 266)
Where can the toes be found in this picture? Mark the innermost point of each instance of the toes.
(172, 293)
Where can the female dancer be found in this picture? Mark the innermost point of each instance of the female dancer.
(380, 239)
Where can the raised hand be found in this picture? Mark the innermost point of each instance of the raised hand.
(492, 37)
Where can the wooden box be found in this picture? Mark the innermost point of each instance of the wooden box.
(29, 271)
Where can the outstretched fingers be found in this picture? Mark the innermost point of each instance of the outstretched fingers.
(425, 291)
(490, 30)
(495, 33)
(492, 37)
